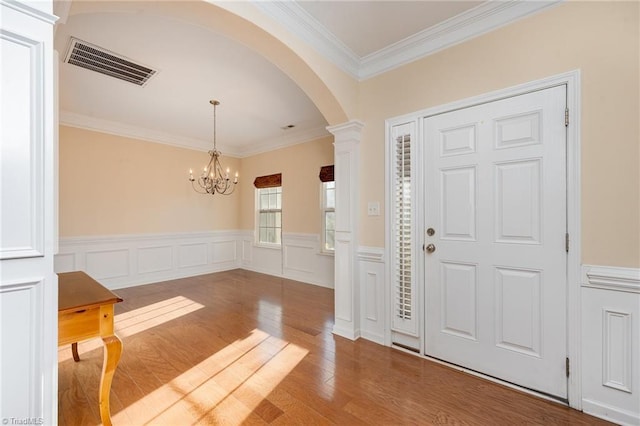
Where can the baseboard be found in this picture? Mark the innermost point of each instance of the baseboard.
(346, 332)
(609, 413)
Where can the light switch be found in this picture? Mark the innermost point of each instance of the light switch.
(373, 208)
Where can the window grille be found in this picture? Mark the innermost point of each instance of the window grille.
(269, 202)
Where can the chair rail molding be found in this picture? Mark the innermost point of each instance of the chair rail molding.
(610, 278)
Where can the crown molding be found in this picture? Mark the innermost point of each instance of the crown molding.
(484, 18)
(27, 8)
(298, 21)
(129, 131)
(477, 21)
(288, 139)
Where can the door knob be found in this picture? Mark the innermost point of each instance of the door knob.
(430, 248)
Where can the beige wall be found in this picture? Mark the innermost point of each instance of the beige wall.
(599, 38)
(300, 166)
(115, 185)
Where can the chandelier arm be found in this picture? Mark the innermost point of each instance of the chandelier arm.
(196, 189)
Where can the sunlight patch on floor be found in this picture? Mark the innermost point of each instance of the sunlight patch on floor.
(224, 388)
(138, 320)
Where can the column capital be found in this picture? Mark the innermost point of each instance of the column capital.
(349, 131)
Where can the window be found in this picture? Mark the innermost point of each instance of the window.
(269, 202)
(328, 216)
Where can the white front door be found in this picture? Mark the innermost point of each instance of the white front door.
(495, 196)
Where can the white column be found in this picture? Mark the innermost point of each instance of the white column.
(346, 170)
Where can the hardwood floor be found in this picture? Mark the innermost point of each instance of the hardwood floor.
(244, 348)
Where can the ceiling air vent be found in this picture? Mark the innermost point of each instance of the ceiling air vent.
(95, 58)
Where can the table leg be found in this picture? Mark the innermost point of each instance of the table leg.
(74, 351)
(112, 352)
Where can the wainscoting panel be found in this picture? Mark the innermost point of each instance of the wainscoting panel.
(192, 254)
(610, 343)
(223, 252)
(298, 259)
(22, 148)
(155, 259)
(104, 264)
(21, 325)
(371, 272)
(65, 262)
(303, 260)
(127, 260)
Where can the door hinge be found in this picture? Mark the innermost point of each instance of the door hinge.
(566, 242)
(566, 364)
(566, 117)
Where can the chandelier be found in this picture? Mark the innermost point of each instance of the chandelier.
(212, 180)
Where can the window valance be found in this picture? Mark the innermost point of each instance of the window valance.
(269, 181)
(326, 173)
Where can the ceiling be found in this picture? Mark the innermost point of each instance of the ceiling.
(257, 99)
(369, 26)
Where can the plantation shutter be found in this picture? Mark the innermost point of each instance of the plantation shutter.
(404, 305)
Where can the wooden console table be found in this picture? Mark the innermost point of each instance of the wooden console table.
(85, 311)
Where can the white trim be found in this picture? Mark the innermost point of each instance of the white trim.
(611, 278)
(80, 121)
(24, 7)
(484, 18)
(572, 80)
(95, 124)
(371, 254)
(298, 21)
(610, 413)
(61, 9)
(98, 239)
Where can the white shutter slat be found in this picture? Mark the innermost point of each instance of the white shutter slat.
(403, 305)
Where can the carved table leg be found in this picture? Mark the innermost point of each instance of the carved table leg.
(112, 352)
(74, 351)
